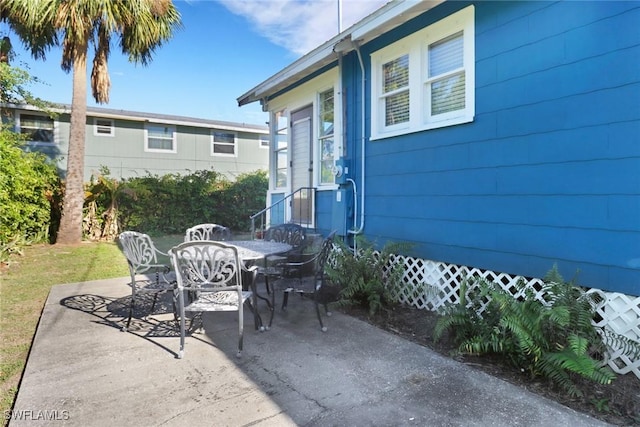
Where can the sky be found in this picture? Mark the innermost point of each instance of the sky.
(224, 49)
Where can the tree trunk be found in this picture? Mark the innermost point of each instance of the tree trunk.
(70, 231)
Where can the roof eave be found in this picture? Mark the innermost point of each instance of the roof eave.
(384, 19)
(299, 69)
(137, 116)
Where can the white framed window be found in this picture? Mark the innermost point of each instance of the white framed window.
(223, 144)
(160, 138)
(103, 127)
(326, 127)
(264, 141)
(395, 91)
(425, 80)
(38, 128)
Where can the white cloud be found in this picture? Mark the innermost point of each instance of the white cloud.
(301, 25)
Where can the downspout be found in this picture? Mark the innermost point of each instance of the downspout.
(343, 119)
(362, 147)
(342, 46)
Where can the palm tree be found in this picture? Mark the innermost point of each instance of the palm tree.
(5, 50)
(140, 25)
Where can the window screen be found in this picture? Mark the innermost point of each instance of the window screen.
(159, 137)
(224, 143)
(37, 128)
(446, 58)
(396, 90)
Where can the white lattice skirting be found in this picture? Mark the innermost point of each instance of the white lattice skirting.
(430, 285)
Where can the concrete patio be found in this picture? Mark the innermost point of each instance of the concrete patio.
(83, 371)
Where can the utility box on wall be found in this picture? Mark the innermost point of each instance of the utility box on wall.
(340, 213)
(341, 171)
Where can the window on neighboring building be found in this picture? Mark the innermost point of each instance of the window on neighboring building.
(264, 141)
(39, 129)
(223, 144)
(103, 127)
(160, 138)
(325, 136)
(425, 80)
(281, 157)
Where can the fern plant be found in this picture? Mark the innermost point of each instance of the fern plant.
(551, 337)
(366, 279)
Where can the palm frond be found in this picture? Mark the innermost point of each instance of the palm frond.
(553, 336)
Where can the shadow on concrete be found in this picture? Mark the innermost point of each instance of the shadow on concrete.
(292, 375)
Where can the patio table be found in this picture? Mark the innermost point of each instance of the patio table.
(256, 250)
(253, 251)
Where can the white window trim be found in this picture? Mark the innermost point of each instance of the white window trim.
(96, 126)
(317, 138)
(235, 144)
(280, 120)
(157, 150)
(38, 143)
(416, 46)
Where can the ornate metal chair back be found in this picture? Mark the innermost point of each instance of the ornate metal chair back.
(323, 256)
(139, 250)
(212, 232)
(207, 266)
(292, 234)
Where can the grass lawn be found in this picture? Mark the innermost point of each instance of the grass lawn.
(25, 285)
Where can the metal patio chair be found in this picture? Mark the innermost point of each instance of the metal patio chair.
(311, 286)
(212, 274)
(213, 232)
(291, 234)
(148, 276)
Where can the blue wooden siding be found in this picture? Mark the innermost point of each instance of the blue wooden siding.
(548, 172)
(277, 212)
(324, 206)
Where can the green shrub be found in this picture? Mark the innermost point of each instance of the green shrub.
(555, 339)
(28, 185)
(367, 278)
(244, 197)
(170, 204)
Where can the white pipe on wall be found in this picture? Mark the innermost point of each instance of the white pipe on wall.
(355, 203)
